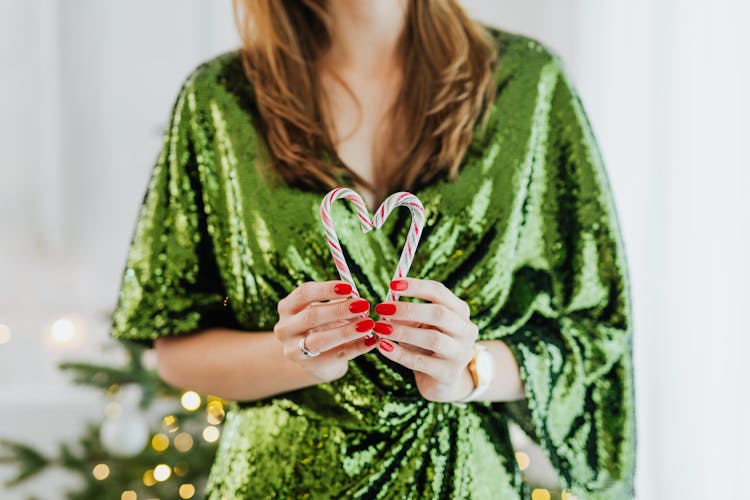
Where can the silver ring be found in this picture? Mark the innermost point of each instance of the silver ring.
(309, 354)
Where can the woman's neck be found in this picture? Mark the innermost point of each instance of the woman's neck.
(364, 36)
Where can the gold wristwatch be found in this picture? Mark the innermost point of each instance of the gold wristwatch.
(482, 370)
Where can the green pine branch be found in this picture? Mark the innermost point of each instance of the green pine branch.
(125, 473)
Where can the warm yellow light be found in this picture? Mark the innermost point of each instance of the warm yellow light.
(4, 333)
(129, 495)
(170, 423)
(215, 412)
(211, 433)
(522, 459)
(191, 400)
(160, 442)
(162, 472)
(65, 332)
(540, 494)
(101, 471)
(62, 330)
(566, 495)
(183, 441)
(186, 490)
(148, 478)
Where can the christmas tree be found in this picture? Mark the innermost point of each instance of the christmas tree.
(131, 453)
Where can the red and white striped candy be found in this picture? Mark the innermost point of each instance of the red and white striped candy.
(401, 198)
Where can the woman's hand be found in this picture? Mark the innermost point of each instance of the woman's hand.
(436, 340)
(334, 329)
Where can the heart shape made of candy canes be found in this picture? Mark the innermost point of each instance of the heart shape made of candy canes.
(401, 198)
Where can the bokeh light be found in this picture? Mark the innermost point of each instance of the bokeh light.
(160, 442)
(162, 472)
(186, 490)
(4, 333)
(540, 494)
(101, 471)
(183, 441)
(211, 434)
(522, 459)
(190, 400)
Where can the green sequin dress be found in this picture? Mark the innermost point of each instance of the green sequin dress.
(527, 234)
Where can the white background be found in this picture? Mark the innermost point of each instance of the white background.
(86, 87)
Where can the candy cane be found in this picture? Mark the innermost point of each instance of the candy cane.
(401, 198)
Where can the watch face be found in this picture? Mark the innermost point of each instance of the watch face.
(485, 367)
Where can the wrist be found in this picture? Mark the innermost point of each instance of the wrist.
(464, 384)
(482, 372)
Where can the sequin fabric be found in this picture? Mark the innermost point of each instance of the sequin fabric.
(527, 234)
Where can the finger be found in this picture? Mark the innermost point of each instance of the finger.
(434, 291)
(324, 340)
(315, 316)
(351, 349)
(312, 291)
(429, 339)
(435, 367)
(435, 315)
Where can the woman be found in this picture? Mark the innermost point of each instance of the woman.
(230, 277)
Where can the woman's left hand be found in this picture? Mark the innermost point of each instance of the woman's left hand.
(435, 339)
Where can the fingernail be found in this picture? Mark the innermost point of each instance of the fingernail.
(365, 325)
(399, 285)
(369, 341)
(359, 306)
(385, 309)
(343, 289)
(386, 346)
(383, 328)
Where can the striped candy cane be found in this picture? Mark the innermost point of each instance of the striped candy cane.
(401, 198)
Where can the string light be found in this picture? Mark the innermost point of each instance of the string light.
(183, 441)
(215, 412)
(540, 494)
(101, 471)
(4, 333)
(129, 495)
(566, 495)
(148, 478)
(211, 434)
(523, 460)
(162, 472)
(65, 332)
(186, 490)
(190, 400)
(170, 423)
(160, 442)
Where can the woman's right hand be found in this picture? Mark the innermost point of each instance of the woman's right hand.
(336, 329)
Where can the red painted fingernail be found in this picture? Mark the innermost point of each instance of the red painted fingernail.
(369, 341)
(359, 306)
(365, 325)
(383, 328)
(387, 346)
(385, 309)
(399, 285)
(343, 289)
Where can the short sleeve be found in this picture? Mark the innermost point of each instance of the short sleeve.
(567, 319)
(171, 284)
